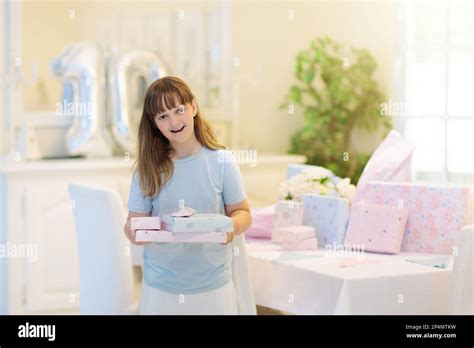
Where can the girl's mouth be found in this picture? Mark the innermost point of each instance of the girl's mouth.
(178, 130)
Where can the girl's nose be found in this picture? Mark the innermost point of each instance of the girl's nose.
(174, 121)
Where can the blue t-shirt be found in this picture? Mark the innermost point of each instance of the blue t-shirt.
(205, 182)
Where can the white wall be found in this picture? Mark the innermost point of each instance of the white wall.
(2, 71)
(267, 42)
(3, 265)
(9, 91)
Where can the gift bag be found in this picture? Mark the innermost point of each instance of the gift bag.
(391, 161)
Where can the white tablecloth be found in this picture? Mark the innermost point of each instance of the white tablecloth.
(316, 282)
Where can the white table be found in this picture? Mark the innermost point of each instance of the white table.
(318, 282)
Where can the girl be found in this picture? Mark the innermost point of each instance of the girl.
(179, 161)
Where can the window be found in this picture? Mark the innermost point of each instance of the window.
(436, 88)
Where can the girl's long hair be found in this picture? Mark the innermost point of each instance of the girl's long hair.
(154, 163)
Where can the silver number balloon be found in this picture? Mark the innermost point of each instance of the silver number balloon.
(129, 75)
(80, 66)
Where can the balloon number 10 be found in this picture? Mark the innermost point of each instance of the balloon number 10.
(104, 96)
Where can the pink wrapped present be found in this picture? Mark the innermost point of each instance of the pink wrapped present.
(146, 223)
(391, 161)
(262, 223)
(164, 236)
(287, 213)
(305, 244)
(436, 213)
(377, 228)
(296, 233)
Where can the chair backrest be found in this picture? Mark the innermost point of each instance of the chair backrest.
(106, 282)
(462, 284)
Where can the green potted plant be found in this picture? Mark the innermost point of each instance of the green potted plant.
(337, 93)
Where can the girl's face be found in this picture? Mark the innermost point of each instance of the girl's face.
(177, 124)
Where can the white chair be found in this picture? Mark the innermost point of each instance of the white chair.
(462, 288)
(106, 280)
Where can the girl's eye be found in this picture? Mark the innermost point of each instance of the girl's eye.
(181, 109)
(162, 117)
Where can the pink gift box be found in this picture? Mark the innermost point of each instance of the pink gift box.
(296, 233)
(287, 213)
(436, 213)
(262, 223)
(146, 223)
(305, 244)
(376, 228)
(164, 236)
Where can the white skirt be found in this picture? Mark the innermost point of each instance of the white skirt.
(220, 301)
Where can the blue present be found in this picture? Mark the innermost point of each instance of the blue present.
(198, 223)
(294, 169)
(329, 217)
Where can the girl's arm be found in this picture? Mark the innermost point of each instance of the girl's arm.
(241, 217)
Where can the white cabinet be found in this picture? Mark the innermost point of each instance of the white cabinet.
(40, 273)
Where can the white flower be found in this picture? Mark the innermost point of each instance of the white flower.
(311, 180)
(316, 180)
(345, 189)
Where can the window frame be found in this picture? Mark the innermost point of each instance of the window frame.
(447, 49)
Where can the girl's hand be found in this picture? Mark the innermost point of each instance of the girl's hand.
(230, 237)
(130, 234)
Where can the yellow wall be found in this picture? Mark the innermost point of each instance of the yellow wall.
(267, 42)
(264, 39)
(49, 26)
